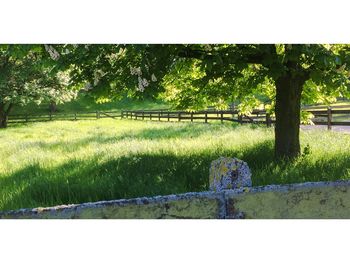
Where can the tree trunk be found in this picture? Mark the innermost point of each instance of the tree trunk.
(4, 112)
(287, 110)
(3, 121)
(3, 117)
(53, 107)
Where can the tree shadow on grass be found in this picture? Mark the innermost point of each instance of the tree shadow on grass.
(128, 176)
(78, 181)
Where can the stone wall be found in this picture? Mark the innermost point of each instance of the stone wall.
(308, 200)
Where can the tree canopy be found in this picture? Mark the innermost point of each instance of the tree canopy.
(29, 74)
(203, 75)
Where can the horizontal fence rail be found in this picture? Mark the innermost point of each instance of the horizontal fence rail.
(23, 118)
(330, 116)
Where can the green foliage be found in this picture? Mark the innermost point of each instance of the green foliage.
(113, 71)
(191, 76)
(305, 118)
(27, 75)
(196, 76)
(306, 151)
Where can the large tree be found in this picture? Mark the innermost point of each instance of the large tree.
(285, 74)
(216, 74)
(28, 74)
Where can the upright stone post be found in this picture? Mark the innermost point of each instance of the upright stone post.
(229, 173)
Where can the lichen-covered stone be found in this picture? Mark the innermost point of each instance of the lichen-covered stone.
(203, 205)
(306, 200)
(229, 173)
(326, 200)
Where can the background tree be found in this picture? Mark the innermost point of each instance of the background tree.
(28, 74)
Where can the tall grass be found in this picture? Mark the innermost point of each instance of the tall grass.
(63, 162)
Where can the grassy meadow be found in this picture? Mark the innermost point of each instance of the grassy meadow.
(64, 162)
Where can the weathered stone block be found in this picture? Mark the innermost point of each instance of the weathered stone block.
(185, 206)
(307, 200)
(304, 201)
(229, 173)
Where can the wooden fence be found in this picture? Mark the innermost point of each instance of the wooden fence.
(337, 115)
(23, 118)
(330, 116)
(257, 116)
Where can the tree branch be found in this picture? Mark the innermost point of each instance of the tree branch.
(240, 54)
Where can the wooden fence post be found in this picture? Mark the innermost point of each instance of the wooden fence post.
(168, 116)
(240, 118)
(268, 120)
(222, 116)
(143, 115)
(96, 114)
(136, 115)
(50, 116)
(329, 118)
(159, 115)
(191, 116)
(179, 115)
(206, 117)
(75, 116)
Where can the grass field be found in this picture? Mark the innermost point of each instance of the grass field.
(63, 162)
